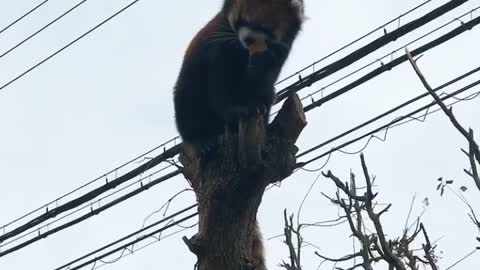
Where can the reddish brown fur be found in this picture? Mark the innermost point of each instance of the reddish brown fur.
(202, 35)
(217, 76)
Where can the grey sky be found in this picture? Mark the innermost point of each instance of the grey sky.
(109, 98)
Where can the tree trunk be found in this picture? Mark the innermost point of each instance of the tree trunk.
(229, 184)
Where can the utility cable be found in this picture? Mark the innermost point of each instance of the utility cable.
(103, 176)
(92, 213)
(23, 16)
(127, 237)
(89, 206)
(68, 45)
(45, 206)
(133, 242)
(369, 48)
(354, 42)
(43, 28)
(385, 127)
(378, 117)
(391, 54)
(387, 67)
(91, 194)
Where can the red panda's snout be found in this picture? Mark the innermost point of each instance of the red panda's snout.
(253, 40)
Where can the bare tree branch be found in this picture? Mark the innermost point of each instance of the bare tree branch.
(428, 249)
(295, 252)
(375, 246)
(389, 256)
(343, 187)
(474, 152)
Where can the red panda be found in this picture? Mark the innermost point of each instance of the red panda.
(231, 65)
(230, 68)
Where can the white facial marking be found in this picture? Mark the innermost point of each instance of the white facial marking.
(231, 20)
(245, 32)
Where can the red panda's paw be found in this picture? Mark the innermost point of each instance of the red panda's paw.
(235, 113)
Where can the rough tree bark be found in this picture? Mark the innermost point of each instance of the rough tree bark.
(230, 182)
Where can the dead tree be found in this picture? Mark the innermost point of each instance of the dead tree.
(376, 246)
(230, 182)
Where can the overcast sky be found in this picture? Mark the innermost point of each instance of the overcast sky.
(108, 98)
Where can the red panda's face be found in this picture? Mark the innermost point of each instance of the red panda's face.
(258, 22)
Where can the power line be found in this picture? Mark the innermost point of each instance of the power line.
(43, 28)
(89, 206)
(103, 176)
(23, 16)
(387, 126)
(387, 67)
(128, 236)
(391, 54)
(136, 249)
(131, 243)
(378, 117)
(69, 44)
(355, 41)
(91, 194)
(369, 48)
(92, 213)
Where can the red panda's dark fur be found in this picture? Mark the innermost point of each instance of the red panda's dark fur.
(219, 76)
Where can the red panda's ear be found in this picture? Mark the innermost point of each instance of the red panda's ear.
(299, 8)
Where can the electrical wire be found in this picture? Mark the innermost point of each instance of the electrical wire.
(92, 213)
(354, 42)
(23, 16)
(396, 62)
(103, 176)
(369, 48)
(133, 242)
(91, 194)
(43, 28)
(389, 112)
(89, 206)
(135, 250)
(391, 54)
(129, 236)
(386, 127)
(68, 45)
